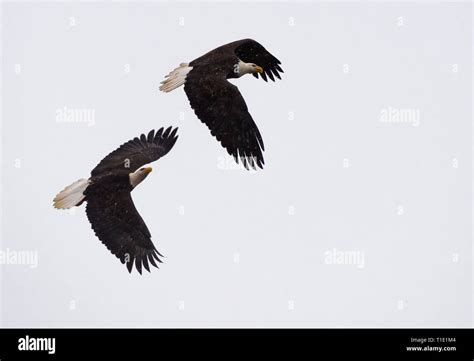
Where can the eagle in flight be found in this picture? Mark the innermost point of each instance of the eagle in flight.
(218, 103)
(110, 209)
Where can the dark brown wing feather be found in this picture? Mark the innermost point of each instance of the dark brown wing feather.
(219, 105)
(250, 51)
(119, 226)
(137, 152)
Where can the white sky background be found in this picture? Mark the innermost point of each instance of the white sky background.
(249, 248)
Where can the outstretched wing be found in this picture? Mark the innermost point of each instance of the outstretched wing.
(119, 226)
(137, 152)
(250, 51)
(219, 105)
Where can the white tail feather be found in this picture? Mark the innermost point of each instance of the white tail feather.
(176, 78)
(72, 195)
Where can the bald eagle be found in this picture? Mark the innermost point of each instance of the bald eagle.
(110, 209)
(218, 103)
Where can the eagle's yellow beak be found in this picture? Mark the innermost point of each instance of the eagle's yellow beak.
(148, 170)
(259, 69)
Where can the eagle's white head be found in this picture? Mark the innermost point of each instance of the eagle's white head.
(242, 68)
(139, 175)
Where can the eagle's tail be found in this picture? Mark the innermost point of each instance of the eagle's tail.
(72, 195)
(176, 78)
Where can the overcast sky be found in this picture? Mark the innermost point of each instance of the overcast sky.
(361, 217)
